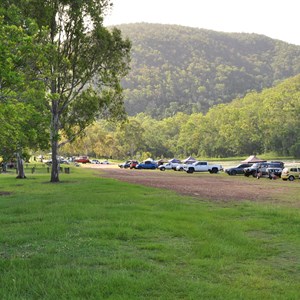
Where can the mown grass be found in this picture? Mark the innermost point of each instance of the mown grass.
(95, 238)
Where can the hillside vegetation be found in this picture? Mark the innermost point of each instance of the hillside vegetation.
(261, 122)
(182, 69)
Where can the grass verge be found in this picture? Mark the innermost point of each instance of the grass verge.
(94, 238)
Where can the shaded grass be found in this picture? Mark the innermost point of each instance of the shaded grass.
(95, 238)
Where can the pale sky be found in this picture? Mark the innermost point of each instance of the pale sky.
(276, 19)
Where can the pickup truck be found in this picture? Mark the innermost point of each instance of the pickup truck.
(168, 166)
(202, 166)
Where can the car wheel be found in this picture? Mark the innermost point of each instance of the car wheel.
(214, 170)
(190, 170)
(291, 178)
(233, 172)
(162, 169)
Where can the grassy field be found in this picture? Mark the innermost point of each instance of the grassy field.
(94, 238)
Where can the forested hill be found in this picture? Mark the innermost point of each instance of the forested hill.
(182, 69)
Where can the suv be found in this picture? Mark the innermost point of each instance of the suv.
(263, 168)
(290, 173)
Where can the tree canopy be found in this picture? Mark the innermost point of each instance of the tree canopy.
(22, 109)
(82, 68)
(261, 122)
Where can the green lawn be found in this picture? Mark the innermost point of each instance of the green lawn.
(94, 238)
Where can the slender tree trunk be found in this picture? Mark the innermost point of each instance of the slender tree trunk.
(54, 143)
(20, 167)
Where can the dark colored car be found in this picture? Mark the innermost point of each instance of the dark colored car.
(239, 169)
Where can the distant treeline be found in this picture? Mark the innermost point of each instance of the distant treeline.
(262, 122)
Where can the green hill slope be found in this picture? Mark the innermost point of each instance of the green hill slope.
(176, 68)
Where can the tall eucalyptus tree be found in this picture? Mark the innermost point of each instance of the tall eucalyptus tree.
(84, 63)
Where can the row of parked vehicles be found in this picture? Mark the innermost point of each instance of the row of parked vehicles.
(79, 159)
(190, 166)
(272, 170)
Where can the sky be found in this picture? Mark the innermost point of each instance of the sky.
(276, 19)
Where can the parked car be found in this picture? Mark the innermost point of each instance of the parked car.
(105, 162)
(95, 161)
(290, 173)
(239, 169)
(274, 173)
(261, 168)
(180, 167)
(59, 160)
(133, 164)
(82, 159)
(168, 166)
(47, 161)
(147, 164)
(63, 161)
(202, 166)
(125, 164)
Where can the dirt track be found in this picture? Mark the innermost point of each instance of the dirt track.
(218, 187)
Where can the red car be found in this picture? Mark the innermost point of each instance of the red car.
(82, 159)
(133, 164)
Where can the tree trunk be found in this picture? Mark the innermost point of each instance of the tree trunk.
(20, 167)
(54, 143)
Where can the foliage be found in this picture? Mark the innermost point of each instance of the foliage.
(22, 111)
(258, 123)
(84, 63)
(181, 69)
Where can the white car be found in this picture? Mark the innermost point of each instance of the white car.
(168, 166)
(202, 166)
(95, 161)
(181, 167)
